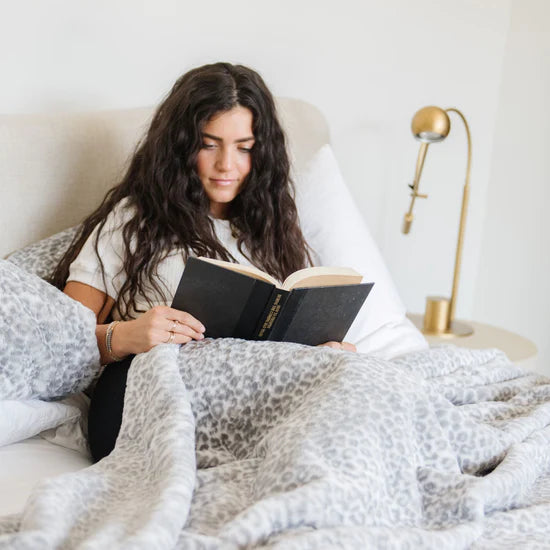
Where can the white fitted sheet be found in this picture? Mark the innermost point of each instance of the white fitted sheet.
(24, 464)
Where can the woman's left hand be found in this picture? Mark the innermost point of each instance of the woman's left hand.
(344, 346)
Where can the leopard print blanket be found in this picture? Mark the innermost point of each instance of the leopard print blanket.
(228, 444)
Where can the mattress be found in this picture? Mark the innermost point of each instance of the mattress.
(24, 464)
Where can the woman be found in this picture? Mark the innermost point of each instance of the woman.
(210, 178)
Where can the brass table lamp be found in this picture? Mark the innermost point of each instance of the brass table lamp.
(430, 125)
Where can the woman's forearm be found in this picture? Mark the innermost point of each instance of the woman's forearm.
(119, 344)
(100, 333)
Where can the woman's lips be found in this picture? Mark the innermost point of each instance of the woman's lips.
(223, 182)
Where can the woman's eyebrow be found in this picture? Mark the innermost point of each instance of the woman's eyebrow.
(217, 138)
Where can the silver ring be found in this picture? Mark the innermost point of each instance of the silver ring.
(170, 338)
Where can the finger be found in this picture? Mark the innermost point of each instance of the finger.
(181, 339)
(186, 330)
(173, 338)
(178, 329)
(346, 346)
(185, 318)
(334, 345)
(171, 325)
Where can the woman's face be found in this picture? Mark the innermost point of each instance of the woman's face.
(224, 159)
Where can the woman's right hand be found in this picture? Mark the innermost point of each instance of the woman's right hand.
(159, 325)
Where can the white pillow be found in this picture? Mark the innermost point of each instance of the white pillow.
(22, 419)
(72, 434)
(334, 228)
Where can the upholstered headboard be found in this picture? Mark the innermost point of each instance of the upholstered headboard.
(56, 168)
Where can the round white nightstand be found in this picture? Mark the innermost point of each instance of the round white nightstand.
(520, 350)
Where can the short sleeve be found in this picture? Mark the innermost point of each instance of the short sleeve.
(86, 267)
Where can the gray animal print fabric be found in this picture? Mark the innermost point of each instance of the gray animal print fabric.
(42, 257)
(228, 444)
(48, 347)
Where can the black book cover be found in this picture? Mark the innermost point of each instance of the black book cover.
(321, 314)
(227, 303)
(232, 304)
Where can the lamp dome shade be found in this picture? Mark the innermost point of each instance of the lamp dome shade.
(430, 124)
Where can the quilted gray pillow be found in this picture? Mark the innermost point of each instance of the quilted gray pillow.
(42, 257)
(48, 347)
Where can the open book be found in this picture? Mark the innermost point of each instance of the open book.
(312, 306)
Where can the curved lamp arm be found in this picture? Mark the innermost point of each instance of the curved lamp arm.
(463, 212)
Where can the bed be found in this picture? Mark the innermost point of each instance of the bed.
(272, 445)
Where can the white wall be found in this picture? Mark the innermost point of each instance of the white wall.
(513, 289)
(368, 65)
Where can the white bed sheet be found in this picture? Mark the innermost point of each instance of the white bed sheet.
(24, 464)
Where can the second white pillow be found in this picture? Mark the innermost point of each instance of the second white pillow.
(335, 229)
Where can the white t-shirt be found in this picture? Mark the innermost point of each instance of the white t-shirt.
(86, 268)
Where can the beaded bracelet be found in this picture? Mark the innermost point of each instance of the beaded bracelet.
(109, 340)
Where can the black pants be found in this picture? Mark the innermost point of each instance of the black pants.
(105, 415)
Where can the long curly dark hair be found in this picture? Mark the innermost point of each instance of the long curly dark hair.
(171, 207)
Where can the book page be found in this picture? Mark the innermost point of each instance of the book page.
(322, 276)
(249, 270)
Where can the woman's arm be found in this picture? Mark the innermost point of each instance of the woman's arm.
(138, 335)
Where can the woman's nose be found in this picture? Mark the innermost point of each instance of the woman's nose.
(224, 160)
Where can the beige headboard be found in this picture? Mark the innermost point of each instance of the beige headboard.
(54, 169)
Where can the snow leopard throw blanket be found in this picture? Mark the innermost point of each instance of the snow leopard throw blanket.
(228, 444)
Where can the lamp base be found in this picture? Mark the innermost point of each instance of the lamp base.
(436, 320)
(458, 329)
